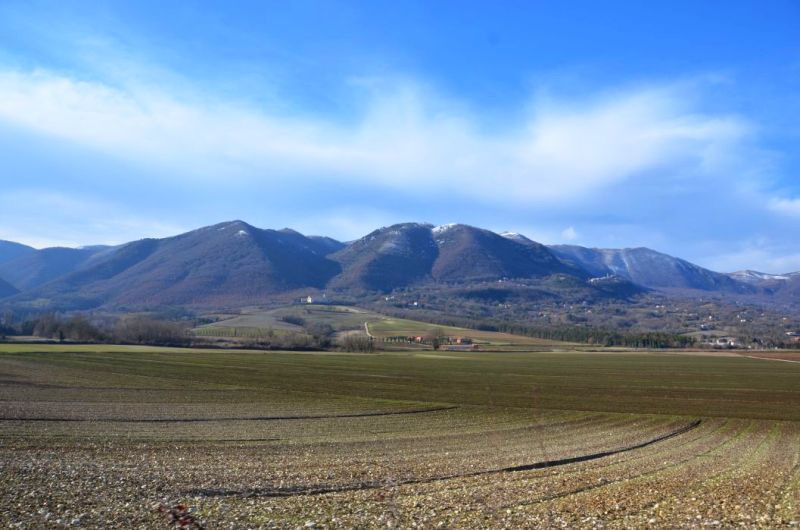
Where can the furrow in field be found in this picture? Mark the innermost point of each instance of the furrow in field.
(315, 490)
(215, 419)
(488, 496)
(636, 491)
(749, 493)
(685, 447)
(391, 458)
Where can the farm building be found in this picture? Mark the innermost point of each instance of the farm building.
(725, 342)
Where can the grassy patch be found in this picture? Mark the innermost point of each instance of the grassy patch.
(651, 383)
(259, 324)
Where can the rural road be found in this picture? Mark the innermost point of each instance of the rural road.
(759, 358)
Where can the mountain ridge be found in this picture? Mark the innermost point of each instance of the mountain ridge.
(236, 263)
(649, 268)
(10, 250)
(231, 261)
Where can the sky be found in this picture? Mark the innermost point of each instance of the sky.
(672, 125)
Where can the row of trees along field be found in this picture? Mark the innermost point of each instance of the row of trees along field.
(139, 329)
(130, 329)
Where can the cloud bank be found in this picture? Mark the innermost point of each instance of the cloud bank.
(404, 136)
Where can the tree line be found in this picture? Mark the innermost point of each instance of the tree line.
(587, 335)
(142, 329)
(128, 329)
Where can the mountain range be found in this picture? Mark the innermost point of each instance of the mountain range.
(649, 268)
(236, 264)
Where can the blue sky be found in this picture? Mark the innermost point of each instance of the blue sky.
(671, 125)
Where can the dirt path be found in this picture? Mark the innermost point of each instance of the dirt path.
(770, 359)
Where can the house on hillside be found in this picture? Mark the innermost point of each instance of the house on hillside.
(726, 342)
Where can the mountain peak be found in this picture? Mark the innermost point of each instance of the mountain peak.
(755, 277)
(519, 238)
(443, 228)
(236, 224)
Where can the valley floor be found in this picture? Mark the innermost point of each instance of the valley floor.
(111, 436)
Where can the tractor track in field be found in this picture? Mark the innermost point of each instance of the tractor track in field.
(621, 462)
(608, 483)
(227, 419)
(325, 489)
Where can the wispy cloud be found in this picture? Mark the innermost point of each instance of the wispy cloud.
(783, 206)
(760, 255)
(569, 234)
(406, 136)
(42, 218)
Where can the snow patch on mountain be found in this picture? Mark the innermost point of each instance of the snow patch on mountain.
(750, 276)
(442, 228)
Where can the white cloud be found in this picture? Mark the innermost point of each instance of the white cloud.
(789, 207)
(406, 138)
(45, 219)
(761, 255)
(569, 234)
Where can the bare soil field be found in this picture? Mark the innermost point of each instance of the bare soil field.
(121, 437)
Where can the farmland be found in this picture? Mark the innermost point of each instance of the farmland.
(101, 436)
(260, 324)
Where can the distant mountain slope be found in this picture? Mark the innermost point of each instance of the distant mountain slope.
(469, 253)
(10, 250)
(648, 268)
(387, 258)
(403, 254)
(319, 244)
(235, 264)
(32, 269)
(783, 288)
(225, 263)
(788, 290)
(327, 244)
(6, 289)
(756, 278)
